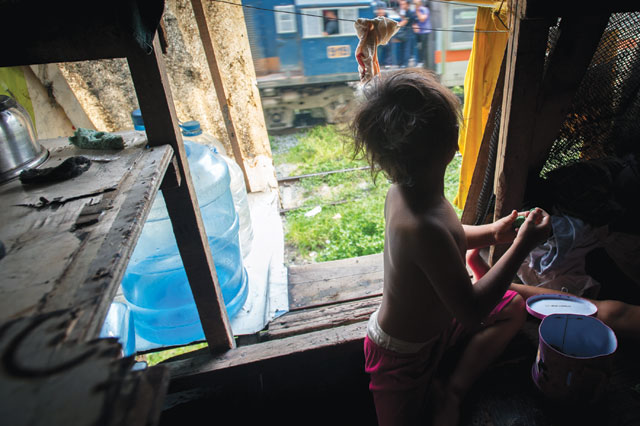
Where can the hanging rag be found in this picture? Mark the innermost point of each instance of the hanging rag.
(68, 169)
(372, 33)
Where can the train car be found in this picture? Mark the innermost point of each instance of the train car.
(305, 58)
(454, 37)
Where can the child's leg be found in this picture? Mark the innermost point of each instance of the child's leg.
(623, 318)
(483, 348)
(476, 263)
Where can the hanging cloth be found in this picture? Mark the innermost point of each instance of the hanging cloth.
(480, 81)
(372, 33)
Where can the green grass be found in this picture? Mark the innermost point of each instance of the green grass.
(320, 149)
(351, 220)
(154, 358)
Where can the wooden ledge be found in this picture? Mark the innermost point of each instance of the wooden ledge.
(201, 368)
(80, 232)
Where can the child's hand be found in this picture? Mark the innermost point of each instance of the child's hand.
(504, 230)
(535, 229)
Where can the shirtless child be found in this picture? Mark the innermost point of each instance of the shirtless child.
(408, 128)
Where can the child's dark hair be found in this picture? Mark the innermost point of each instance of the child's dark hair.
(406, 121)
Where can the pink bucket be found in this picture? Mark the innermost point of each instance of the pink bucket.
(575, 355)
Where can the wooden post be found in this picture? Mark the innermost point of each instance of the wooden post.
(156, 103)
(536, 99)
(218, 84)
(523, 77)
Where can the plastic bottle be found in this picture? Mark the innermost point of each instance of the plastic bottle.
(155, 284)
(191, 130)
(136, 117)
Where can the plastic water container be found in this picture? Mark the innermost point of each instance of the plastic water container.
(155, 284)
(136, 117)
(119, 324)
(191, 130)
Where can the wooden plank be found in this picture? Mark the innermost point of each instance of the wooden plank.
(47, 379)
(201, 368)
(335, 281)
(321, 318)
(523, 77)
(69, 31)
(218, 84)
(80, 264)
(156, 103)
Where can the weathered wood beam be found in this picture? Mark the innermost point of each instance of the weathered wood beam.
(156, 103)
(523, 77)
(202, 369)
(321, 318)
(218, 84)
(48, 378)
(338, 280)
(69, 31)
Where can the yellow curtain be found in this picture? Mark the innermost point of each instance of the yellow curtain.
(13, 84)
(479, 84)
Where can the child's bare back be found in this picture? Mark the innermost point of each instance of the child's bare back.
(412, 309)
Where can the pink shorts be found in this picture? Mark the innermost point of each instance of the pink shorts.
(400, 382)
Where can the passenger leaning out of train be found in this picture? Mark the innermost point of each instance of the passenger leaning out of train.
(330, 23)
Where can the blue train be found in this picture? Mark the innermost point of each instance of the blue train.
(305, 58)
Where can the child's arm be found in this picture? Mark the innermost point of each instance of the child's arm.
(441, 262)
(501, 231)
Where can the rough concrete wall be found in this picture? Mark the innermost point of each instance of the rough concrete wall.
(231, 43)
(106, 91)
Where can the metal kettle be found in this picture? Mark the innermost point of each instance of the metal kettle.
(19, 149)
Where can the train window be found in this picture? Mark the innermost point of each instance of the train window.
(347, 16)
(327, 22)
(285, 22)
(463, 18)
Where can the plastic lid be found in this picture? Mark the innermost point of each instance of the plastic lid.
(191, 128)
(136, 117)
(547, 304)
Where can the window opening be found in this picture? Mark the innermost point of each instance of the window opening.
(462, 24)
(329, 22)
(286, 21)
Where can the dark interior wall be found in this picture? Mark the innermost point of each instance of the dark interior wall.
(331, 390)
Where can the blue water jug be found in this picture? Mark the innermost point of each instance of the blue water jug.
(155, 284)
(119, 324)
(191, 130)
